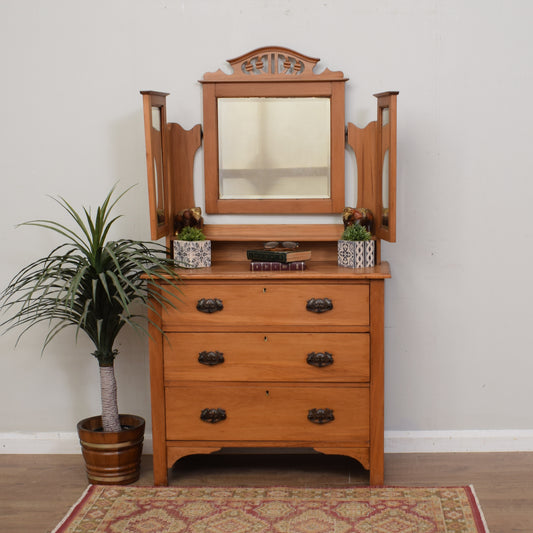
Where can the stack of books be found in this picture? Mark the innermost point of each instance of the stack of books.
(261, 260)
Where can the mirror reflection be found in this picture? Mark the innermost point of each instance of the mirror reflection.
(157, 151)
(384, 116)
(274, 148)
(385, 190)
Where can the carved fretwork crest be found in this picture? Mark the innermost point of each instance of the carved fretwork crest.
(274, 63)
(268, 63)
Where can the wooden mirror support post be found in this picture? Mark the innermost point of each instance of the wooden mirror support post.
(279, 358)
(170, 152)
(375, 150)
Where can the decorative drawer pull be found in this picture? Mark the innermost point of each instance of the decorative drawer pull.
(212, 416)
(209, 305)
(211, 358)
(319, 305)
(320, 416)
(319, 359)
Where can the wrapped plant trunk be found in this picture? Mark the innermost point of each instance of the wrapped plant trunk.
(108, 389)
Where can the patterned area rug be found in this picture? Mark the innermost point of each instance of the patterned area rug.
(277, 509)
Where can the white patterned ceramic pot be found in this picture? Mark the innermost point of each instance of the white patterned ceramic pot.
(192, 254)
(356, 254)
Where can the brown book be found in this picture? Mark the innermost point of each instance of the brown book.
(281, 256)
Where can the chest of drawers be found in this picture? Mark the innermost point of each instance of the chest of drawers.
(270, 359)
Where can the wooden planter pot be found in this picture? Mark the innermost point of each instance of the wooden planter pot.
(112, 458)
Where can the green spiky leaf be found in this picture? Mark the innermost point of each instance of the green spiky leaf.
(90, 282)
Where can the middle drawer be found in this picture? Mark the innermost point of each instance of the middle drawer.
(317, 357)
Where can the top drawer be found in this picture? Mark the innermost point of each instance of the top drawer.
(245, 306)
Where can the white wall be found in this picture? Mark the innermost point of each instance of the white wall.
(458, 314)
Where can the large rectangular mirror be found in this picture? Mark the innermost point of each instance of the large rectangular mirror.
(274, 136)
(274, 148)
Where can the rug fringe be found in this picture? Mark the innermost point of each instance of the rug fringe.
(71, 510)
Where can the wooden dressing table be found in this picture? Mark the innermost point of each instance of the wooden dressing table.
(271, 359)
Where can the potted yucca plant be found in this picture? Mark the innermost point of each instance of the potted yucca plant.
(191, 248)
(356, 249)
(98, 286)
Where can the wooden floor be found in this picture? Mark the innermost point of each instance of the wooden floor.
(36, 491)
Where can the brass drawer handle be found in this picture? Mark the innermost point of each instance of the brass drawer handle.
(211, 358)
(319, 305)
(209, 305)
(320, 359)
(212, 416)
(320, 416)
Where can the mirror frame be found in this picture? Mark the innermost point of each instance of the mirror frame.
(157, 181)
(386, 142)
(273, 72)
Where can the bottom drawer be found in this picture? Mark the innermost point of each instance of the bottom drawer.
(268, 412)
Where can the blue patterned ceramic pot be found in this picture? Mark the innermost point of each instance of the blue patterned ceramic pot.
(192, 254)
(356, 254)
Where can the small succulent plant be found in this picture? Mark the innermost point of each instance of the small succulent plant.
(356, 232)
(188, 233)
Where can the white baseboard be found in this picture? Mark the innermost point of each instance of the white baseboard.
(395, 442)
(67, 442)
(478, 440)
